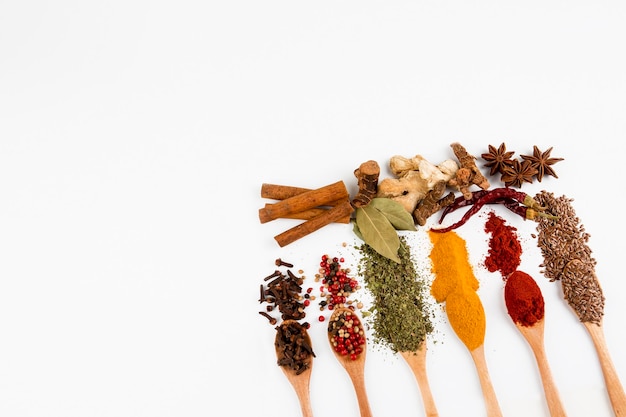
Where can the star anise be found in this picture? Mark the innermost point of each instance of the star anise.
(518, 173)
(541, 161)
(498, 159)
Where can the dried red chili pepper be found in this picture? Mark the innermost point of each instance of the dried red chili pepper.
(495, 195)
(507, 196)
(460, 202)
(528, 213)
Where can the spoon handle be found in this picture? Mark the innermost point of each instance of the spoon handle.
(358, 380)
(417, 363)
(553, 399)
(305, 402)
(611, 379)
(491, 401)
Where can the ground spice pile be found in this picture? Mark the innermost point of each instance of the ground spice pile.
(401, 314)
(523, 298)
(505, 250)
(456, 284)
(568, 258)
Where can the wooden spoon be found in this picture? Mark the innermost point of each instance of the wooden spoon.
(299, 381)
(354, 367)
(596, 331)
(611, 378)
(417, 363)
(469, 327)
(489, 394)
(534, 336)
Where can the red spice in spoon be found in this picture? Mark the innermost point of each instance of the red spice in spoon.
(523, 299)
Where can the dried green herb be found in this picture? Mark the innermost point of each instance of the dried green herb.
(377, 225)
(401, 313)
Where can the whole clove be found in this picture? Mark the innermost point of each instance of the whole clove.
(293, 346)
(271, 319)
(280, 262)
(274, 274)
(283, 292)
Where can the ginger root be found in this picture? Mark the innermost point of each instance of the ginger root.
(400, 166)
(407, 190)
(468, 174)
(415, 177)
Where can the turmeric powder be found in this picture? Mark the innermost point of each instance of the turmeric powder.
(450, 265)
(456, 284)
(467, 317)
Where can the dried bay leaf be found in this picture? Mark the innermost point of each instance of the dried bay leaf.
(394, 212)
(378, 231)
(356, 231)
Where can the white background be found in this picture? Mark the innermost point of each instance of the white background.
(135, 136)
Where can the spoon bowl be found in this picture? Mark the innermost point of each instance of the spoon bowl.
(352, 358)
(298, 373)
(525, 306)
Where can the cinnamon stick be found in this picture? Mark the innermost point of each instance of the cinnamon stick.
(310, 213)
(329, 216)
(281, 192)
(304, 201)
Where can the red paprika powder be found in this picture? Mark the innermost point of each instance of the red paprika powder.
(523, 298)
(505, 250)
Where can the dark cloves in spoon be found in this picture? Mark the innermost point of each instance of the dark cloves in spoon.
(293, 346)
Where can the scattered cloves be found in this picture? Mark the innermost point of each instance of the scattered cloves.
(284, 292)
(271, 319)
(274, 274)
(280, 262)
